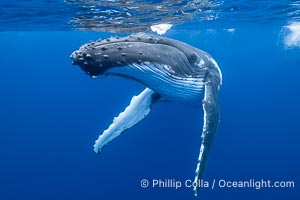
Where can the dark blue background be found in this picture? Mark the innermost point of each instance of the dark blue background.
(51, 113)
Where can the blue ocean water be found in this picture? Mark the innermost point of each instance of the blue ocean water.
(51, 112)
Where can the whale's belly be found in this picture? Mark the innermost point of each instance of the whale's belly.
(158, 78)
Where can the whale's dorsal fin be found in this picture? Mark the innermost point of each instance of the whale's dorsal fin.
(210, 126)
(138, 109)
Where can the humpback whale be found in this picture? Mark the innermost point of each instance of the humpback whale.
(169, 69)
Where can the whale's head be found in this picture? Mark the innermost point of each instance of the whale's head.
(169, 67)
(96, 58)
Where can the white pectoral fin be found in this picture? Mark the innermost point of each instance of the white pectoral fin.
(137, 110)
(210, 126)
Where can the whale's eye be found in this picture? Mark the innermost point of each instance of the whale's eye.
(192, 58)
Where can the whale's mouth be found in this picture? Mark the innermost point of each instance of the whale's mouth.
(96, 58)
